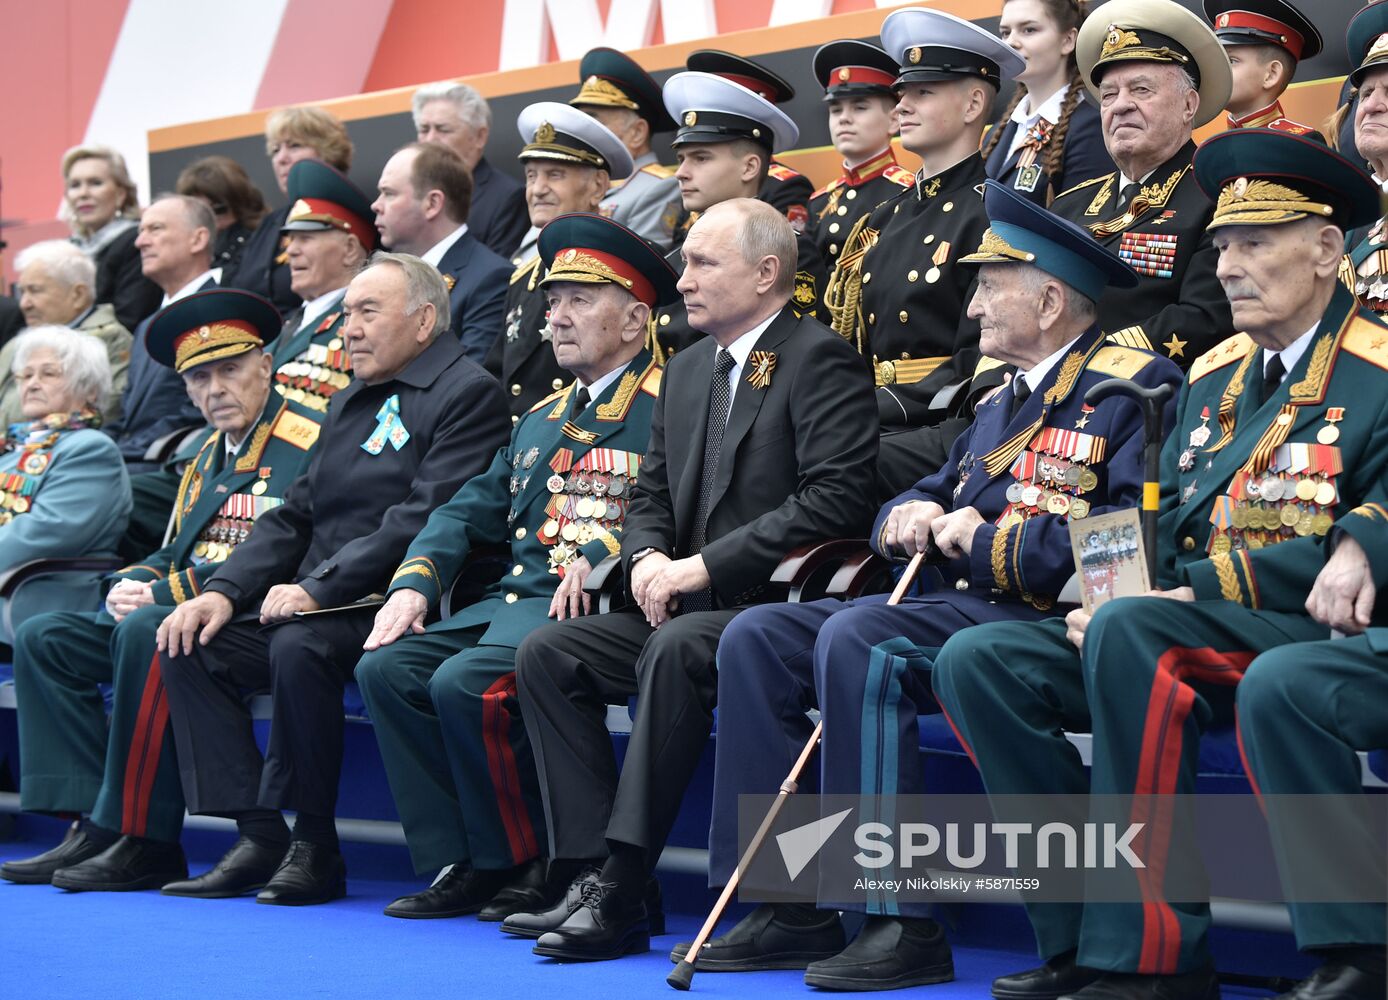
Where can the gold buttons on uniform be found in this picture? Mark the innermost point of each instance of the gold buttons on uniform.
(665, 319)
(902, 316)
(961, 584)
(833, 248)
(912, 274)
(872, 317)
(905, 356)
(867, 276)
(515, 389)
(851, 194)
(511, 598)
(929, 239)
(1188, 544)
(515, 419)
(520, 533)
(557, 384)
(518, 570)
(841, 210)
(833, 227)
(947, 206)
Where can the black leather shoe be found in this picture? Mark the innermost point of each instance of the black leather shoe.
(603, 927)
(130, 864)
(760, 941)
(38, 870)
(461, 891)
(1200, 984)
(309, 873)
(524, 891)
(245, 868)
(1057, 977)
(565, 901)
(1337, 981)
(888, 954)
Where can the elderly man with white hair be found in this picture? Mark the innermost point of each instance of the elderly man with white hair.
(56, 286)
(456, 116)
(63, 486)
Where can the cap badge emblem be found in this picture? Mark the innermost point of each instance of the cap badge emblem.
(913, 54)
(545, 133)
(690, 118)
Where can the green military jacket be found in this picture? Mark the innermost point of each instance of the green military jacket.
(1250, 489)
(559, 490)
(218, 501)
(312, 363)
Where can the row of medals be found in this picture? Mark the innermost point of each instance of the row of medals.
(1064, 481)
(12, 503)
(1290, 506)
(323, 379)
(600, 501)
(222, 536)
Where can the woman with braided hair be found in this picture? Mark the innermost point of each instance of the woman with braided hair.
(1048, 138)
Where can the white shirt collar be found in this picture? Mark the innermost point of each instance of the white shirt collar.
(315, 308)
(1026, 118)
(741, 350)
(189, 288)
(1290, 354)
(1124, 180)
(435, 253)
(1037, 376)
(233, 451)
(601, 383)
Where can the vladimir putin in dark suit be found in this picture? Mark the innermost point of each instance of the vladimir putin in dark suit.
(764, 439)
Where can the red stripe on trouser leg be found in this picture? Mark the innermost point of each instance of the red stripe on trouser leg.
(142, 759)
(957, 734)
(1243, 759)
(505, 774)
(1159, 767)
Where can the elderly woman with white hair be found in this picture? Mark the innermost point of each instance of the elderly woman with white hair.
(56, 287)
(64, 491)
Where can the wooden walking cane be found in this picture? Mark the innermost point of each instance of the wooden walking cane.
(683, 973)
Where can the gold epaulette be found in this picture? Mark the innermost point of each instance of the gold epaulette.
(1120, 362)
(524, 270)
(898, 174)
(837, 182)
(782, 172)
(299, 431)
(658, 170)
(1367, 339)
(1084, 184)
(1236, 348)
(986, 364)
(650, 385)
(843, 293)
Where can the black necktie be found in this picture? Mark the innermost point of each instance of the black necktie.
(580, 403)
(719, 399)
(1020, 391)
(292, 323)
(1129, 192)
(1272, 376)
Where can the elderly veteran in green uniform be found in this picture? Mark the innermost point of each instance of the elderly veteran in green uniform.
(1157, 72)
(257, 445)
(624, 97)
(62, 493)
(570, 160)
(1304, 712)
(443, 698)
(330, 231)
(1367, 40)
(857, 79)
(1279, 431)
(724, 144)
(898, 293)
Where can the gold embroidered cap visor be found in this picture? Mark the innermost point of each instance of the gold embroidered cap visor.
(209, 326)
(712, 108)
(591, 249)
(554, 131)
(612, 79)
(1156, 31)
(1262, 177)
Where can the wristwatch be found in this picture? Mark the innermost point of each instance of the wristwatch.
(643, 554)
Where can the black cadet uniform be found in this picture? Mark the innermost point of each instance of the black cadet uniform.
(523, 357)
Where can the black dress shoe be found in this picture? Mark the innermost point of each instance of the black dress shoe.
(524, 891)
(1057, 977)
(309, 873)
(565, 902)
(130, 864)
(245, 868)
(888, 954)
(1337, 981)
(460, 891)
(760, 941)
(76, 847)
(1199, 984)
(605, 926)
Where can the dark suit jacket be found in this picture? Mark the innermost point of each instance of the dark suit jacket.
(796, 464)
(1084, 157)
(155, 401)
(258, 271)
(499, 216)
(477, 299)
(121, 282)
(345, 524)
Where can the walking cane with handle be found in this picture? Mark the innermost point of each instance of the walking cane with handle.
(683, 973)
(1152, 401)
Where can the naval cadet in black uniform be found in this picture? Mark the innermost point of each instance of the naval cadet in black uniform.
(418, 420)
(898, 293)
(570, 160)
(1158, 72)
(1265, 40)
(726, 137)
(857, 79)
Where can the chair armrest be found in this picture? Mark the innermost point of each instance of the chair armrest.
(162, 449)
(607, 585)
(865, 572)
(805, 572)
(11, 579)
(483, 566)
